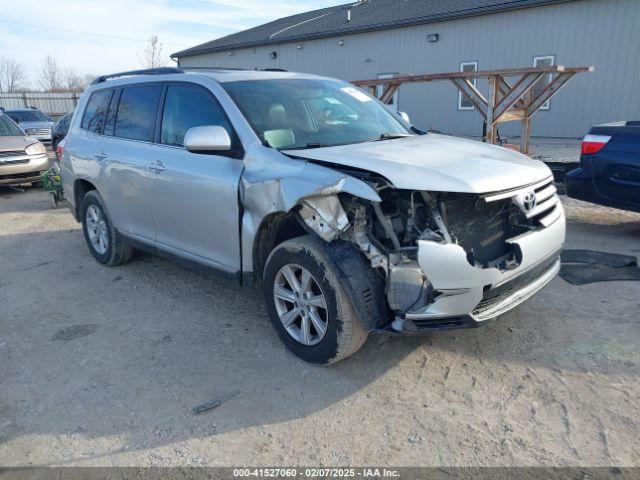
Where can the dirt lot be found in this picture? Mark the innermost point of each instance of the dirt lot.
(102, 366)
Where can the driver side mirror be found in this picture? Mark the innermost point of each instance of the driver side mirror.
(209, 138)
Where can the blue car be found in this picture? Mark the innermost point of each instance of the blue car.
(609, 172)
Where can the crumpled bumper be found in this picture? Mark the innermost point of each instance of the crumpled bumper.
(484, 293)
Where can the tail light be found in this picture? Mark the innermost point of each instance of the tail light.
(59, 151)
(594, 143)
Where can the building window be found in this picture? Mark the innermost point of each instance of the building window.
(394, 101)
(463, 102)
(543, 61)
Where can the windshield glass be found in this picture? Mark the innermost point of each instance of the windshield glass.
(300, 113)
(28, 116)
(8, 128)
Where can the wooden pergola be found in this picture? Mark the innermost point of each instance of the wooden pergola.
(511, 95)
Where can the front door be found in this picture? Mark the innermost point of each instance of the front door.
(194, 196)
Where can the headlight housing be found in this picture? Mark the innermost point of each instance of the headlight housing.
(36, 149)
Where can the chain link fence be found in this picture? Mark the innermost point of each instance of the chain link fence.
(53, 104)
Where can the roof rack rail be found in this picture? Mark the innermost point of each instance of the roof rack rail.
(149, 71)
(274, 70)
(215, 68)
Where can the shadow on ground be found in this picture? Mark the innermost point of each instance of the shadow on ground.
(95, 351)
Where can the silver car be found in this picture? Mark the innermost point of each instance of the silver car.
(349, 219)
(34, 122)
(23, 159)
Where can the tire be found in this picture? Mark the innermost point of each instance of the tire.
(110, 248)
(344, 331)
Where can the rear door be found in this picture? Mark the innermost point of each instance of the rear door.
(194, 196)
(129, 131)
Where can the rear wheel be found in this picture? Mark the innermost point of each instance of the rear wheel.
(308, 306)
(105, 243)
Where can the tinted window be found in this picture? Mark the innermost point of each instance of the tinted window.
(28, 116)
(186, 107)
(96, 110)
(111, 114)
(136, 117)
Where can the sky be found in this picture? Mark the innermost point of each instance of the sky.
(103, 36)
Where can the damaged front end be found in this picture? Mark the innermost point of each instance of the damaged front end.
(447, 260)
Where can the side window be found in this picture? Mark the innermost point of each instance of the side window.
(463, 102)
(189, 106)
(93, 119)
(545, 61)
(136, 116)
(111, 114)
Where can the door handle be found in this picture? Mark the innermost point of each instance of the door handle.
(100, 156)
(156, 167)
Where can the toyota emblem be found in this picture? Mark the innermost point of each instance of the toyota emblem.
(527, 202)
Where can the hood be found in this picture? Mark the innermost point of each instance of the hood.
(437, 163)
(8, 144)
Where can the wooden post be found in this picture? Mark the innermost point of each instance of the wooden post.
(526, 135)
(492, 125)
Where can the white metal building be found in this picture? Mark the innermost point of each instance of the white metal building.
(378, 38)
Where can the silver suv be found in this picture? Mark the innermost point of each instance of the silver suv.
(349, 219)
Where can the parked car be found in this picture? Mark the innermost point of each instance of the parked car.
(609, 172)
(34, 122)
(309, 189)
(23, 159)
(59, 130)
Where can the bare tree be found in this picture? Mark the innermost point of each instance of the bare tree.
(71, 81)
(152, 57)
(12, 75)
(51, 75)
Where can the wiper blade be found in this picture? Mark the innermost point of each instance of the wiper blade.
(308, 146)
(391, 136)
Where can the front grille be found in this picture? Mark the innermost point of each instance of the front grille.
(12, 153)
(546, 210)
(39, 131)
(496, 295)
(21, 161)
(20, 175)
(480, 227)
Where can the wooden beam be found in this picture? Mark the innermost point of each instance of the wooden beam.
(470, 91)
(523, 86)
(389, 92)
(509, 72)
(554, 86)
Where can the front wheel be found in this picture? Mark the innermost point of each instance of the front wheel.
(308, 306)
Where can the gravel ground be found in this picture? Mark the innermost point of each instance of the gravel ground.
(102, 366)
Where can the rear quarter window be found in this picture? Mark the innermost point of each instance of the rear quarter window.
(137, 109)
(96, 110)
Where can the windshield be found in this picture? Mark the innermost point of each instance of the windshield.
(8, 128)
(28, 116)
(299, 113)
